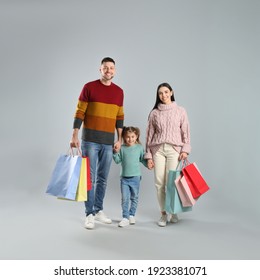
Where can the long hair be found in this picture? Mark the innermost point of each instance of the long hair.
(158, 101)
(131, 129)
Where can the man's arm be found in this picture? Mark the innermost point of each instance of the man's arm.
(74, 142)
(117, 144)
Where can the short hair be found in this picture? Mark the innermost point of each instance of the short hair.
(107, 59)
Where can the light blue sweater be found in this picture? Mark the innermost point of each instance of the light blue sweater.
(130, 158)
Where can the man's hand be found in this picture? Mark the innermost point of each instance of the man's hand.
(74, 142)
(117, 146)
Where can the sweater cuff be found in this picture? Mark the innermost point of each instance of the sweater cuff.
(148, 156)
(77, 123)
(186, 148)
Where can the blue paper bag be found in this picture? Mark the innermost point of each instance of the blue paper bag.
(173, 203)
(65, 177)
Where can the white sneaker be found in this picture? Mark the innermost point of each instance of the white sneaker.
(131, 220)
(174, 218)
(124, 223)
(89, 222)
(101, 217)
(163, 221)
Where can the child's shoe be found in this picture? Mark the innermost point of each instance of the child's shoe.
(124, 223)
(131, 220)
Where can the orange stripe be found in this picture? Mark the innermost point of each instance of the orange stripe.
(99, 123)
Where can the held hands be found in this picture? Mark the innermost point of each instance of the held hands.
(150, 164)
(117, 147)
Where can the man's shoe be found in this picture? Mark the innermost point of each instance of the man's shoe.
(101, 217)
(89, 222)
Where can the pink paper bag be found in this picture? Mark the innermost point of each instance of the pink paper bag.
(184, 192)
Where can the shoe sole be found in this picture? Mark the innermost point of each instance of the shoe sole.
(89, 227)
(123, 226)
(104, 222)
(162, 225)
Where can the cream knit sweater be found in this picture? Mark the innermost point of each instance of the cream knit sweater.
(168, 124)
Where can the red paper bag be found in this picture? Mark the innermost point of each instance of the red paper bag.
(88, 177)
(195, 181)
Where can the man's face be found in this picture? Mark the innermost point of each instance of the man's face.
(107, 71)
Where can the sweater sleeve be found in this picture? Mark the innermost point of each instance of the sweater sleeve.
(149, 136)
(81, 108)
(185, 133)
(117, 158)
(142, 159)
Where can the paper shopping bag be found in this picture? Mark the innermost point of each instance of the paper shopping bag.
(84, 182)
(195, 181)
(172, 200)
(65, 177)
(184, 192)
(88, 175)
(81, 194)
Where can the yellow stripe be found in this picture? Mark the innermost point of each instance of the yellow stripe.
(99, 109)
(120, 114)
(81, 109)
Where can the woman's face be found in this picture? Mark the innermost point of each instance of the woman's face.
(165, 95)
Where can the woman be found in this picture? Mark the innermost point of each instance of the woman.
(167, 142)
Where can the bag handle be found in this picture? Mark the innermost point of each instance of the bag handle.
(182, 163)
(71, 151)
(185, 162)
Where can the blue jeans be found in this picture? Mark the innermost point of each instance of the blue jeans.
(100, 157)
(130, 193)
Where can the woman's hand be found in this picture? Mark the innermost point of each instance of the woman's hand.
(150, 164)
(183, 156)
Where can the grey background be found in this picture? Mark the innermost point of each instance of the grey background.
(207, 50)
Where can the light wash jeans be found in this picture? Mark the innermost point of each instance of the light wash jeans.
(165, 159)
(100, 157)
(130, 193)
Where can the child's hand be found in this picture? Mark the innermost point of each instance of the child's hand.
(150, 164)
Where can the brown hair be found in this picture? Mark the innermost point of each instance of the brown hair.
(131, 129)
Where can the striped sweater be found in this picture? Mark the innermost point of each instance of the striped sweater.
(100, 108)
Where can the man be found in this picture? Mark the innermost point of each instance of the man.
(100, 109)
